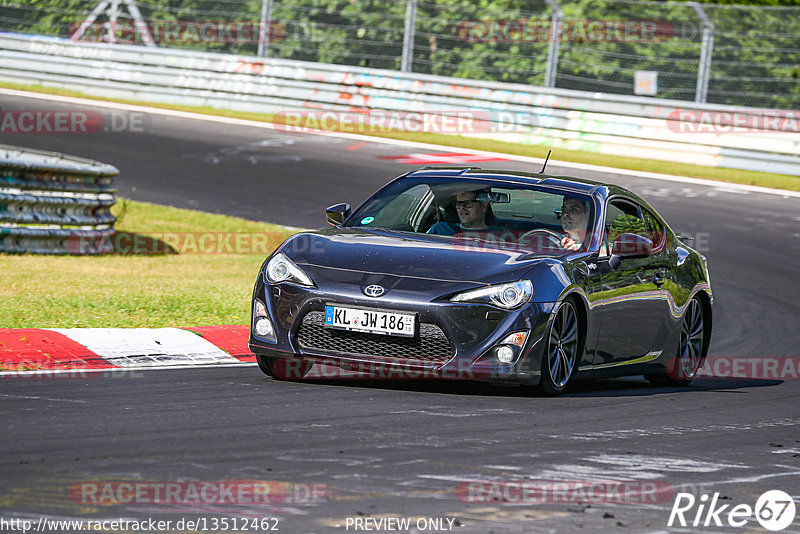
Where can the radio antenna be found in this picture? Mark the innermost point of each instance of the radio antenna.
(545, 162)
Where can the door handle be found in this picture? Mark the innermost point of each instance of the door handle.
(658, 280)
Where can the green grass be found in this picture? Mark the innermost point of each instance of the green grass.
(764, 179)
(184, 289)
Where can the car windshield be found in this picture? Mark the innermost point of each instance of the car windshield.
(516, 216)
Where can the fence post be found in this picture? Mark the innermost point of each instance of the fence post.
(555, 40)
(264, 28)
(707, 47)
(111, 26)
(408, 36)
(141, 25)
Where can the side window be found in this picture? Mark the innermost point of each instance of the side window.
(622, 217)
(655, 231)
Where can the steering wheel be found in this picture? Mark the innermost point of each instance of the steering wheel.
(552, 235)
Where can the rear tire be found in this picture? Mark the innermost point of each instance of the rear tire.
(283, 368)
(562, 345)
(683, 367)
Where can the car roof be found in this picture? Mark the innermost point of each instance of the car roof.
(565, 183)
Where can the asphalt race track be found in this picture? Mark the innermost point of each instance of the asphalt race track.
(348, 451)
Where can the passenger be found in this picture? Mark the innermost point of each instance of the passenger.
(472, 216)
(574, 221)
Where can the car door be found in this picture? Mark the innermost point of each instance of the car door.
(630, 298)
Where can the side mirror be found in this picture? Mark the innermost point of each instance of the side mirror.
(629, 246)
(337, 214)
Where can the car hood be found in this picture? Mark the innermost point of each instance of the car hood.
(418, 256)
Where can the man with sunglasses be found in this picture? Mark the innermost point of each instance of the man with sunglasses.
(472, 215)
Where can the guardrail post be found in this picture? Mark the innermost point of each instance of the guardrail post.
(408, 36)
(707, 46)
(264, 28)
(555, 40)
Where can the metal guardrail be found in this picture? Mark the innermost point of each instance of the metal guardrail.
(609, 124)
(52, 203)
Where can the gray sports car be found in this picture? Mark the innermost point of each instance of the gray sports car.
(491, 275)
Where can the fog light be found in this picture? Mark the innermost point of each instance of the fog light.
(505, 354)
(264, 327)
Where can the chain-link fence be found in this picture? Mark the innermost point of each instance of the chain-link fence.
(736, 55)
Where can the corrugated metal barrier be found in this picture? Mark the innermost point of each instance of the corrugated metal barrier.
(54, 204)
(643, 127)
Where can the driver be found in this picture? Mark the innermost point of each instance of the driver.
(574, 220)
(472, 215)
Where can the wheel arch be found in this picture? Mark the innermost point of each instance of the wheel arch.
(547, 384)
(581, 305)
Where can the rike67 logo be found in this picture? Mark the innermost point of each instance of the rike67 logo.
(774, 510)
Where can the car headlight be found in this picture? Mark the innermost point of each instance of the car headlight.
(508, 296)
(281, 269)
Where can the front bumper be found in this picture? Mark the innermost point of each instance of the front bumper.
(464, 335)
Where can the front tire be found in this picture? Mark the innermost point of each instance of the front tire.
(682, 369)
(283, 368)
(561, 350)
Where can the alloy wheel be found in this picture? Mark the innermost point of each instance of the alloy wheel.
(690, 349)
(562, 345)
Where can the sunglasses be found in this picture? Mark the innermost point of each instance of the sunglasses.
(465, 203)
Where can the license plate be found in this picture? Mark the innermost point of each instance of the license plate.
(371, 321)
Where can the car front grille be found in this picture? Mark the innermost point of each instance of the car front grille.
(430, 347)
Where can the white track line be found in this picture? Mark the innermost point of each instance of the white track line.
(410, 144)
